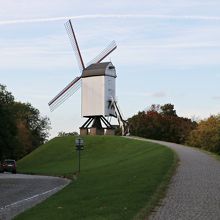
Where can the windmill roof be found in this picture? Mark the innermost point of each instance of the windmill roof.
(99, 69)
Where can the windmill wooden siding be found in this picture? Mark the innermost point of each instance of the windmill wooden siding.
(98, 88)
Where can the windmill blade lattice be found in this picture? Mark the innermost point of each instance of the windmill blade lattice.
(68, 91)
(111, 47)
(71, 34)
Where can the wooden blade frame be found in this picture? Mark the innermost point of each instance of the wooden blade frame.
(62, 96)
(72, 36)
(110, 48)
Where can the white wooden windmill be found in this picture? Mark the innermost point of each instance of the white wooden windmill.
(98, 90)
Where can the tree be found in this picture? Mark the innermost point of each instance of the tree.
(8, 128)
(63, 133)
(161, 123)
(22, 128)
(207, 134)
(33, 128)
(168, 110)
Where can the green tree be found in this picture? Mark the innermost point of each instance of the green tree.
(207, 134)
(8, 128)
(33, 128)
(161, 123)
(22, 128)
(168, 110)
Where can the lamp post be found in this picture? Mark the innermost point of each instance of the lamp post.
(79, 146)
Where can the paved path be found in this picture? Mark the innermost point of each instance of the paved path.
(19, 192)
(194, 192)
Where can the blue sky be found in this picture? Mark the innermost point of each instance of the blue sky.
(168, 52)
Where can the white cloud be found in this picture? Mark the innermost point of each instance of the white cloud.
(112, 16)
(56, 52)
(32, 8)
(166, 57)
(177, 46)
(159, 94)
(216, 97)
(156, 94)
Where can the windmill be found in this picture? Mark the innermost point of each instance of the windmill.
(97, 80)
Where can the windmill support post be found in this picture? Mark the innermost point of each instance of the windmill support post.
(96, 126)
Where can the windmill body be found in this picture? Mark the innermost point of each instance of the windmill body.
(98, 90)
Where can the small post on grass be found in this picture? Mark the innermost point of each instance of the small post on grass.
(79, 146)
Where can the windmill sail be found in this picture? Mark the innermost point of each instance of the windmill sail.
(68, 91)
(111, 47)
(72, 36)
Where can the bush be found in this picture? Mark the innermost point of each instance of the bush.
(206, 135)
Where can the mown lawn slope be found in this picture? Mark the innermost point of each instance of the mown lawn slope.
(120, 178)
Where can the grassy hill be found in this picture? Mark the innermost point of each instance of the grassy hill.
(120, 178)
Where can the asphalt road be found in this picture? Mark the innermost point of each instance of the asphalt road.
(19, 192)
(194, 191)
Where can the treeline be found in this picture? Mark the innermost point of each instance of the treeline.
(22, 128)
(64, 134)
(162, 123)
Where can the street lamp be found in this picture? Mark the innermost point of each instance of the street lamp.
(79, 146)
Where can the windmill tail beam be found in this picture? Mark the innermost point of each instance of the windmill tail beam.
(122, 123)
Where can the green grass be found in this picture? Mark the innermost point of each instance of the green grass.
(120, 178)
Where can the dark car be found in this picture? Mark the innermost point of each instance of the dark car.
(9, 166)
(1, 167)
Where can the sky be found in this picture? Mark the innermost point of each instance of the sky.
(167, 52)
